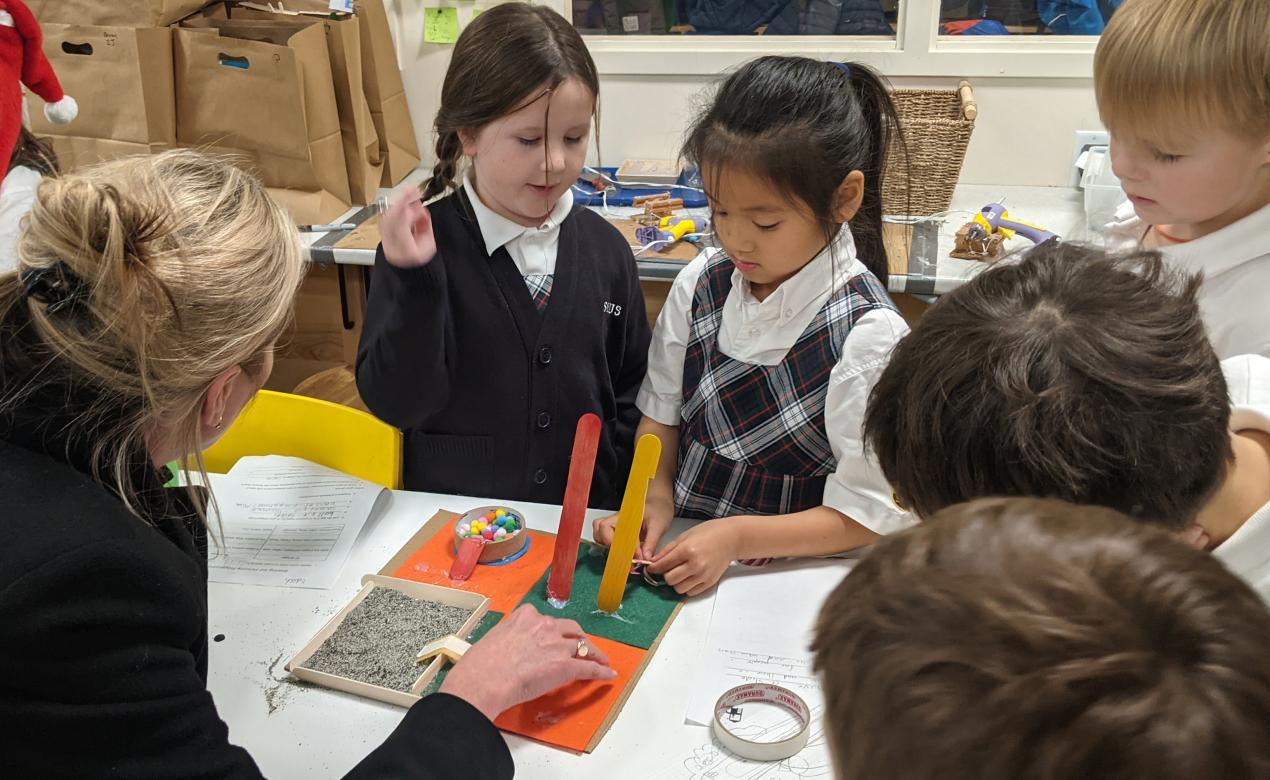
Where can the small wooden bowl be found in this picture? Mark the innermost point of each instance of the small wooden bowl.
(503, 548)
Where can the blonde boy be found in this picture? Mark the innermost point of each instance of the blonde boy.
(1183, 86)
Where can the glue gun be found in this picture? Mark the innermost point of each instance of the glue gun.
(668, 231)
(993, 218)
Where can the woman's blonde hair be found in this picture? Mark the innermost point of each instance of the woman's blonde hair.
(1168, 70)
(139, 281)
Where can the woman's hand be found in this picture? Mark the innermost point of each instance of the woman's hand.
(697, 558)
(523, 657)
(406, 231)
(656, 522)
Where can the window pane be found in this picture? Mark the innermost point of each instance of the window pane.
(1025, 17)
(736, 17)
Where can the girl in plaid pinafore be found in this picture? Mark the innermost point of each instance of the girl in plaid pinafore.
(766, 350)
(752, 438)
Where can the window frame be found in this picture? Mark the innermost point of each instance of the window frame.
(917, 51)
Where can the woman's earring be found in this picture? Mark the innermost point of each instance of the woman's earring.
(220, 422)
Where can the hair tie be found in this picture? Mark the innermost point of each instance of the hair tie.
(56, 286)
(844, 67)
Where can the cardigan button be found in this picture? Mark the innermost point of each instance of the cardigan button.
(540, 476)
(544, 420)
(544, 355)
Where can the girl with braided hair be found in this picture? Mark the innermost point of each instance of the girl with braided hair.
(502, 312)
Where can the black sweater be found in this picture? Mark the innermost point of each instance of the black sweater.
(103, 634)
(487, 390)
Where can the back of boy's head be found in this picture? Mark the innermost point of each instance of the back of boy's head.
(501, 62)
(1069, 374)
(1030, 638)
(803, 125)
(1172, 69)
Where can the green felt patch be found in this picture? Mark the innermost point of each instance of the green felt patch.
(644, 611)
(482, 628)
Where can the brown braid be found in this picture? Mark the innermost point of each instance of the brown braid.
(449, 150)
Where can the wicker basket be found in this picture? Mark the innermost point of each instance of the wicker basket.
(937, 125)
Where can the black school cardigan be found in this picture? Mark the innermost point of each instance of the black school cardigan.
(486, 389)
(103, 633)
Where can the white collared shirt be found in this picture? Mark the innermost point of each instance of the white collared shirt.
(762, 333)
(1235, 298)
(1247, 551)
(17, 196)
(533, 249)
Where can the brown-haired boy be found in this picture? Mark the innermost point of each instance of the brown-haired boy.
(1084, 376)
(1029, 638)
(1184, 88)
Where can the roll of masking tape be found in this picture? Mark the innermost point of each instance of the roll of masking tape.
(728, 708)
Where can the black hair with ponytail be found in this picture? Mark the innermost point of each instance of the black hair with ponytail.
(499, 61)
(804, 125)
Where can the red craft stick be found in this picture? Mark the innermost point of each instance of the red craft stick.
(581, 468)
(465, 561)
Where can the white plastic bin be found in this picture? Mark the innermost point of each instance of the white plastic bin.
(1103, 194)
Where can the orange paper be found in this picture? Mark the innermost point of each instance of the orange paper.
(505, 585)
(571, 716)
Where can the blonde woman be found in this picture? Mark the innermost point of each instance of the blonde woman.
(141, 320)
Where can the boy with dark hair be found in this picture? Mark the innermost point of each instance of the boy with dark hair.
(1089, 377)
(1015, 638)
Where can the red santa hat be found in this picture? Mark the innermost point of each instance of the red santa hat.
(22, 62)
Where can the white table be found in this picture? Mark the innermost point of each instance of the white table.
(933, 272)
(302, 732)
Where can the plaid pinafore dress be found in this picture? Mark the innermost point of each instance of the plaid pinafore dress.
(752, 438)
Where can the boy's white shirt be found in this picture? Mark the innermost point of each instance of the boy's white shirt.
(17, 196)
(1235, 298)
(1247, 551)
(532, 249)
(761, 333)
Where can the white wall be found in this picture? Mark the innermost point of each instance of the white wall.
(1024, 133)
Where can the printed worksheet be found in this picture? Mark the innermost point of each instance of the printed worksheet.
(760, 631)
(286, 521)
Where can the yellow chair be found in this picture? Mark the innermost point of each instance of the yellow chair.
(332, 435)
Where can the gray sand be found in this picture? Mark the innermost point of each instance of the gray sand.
(379, 638)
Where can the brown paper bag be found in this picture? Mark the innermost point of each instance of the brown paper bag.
(267, 94)
(119, 13)
(386, 93)
(122, 79)
(344, 45)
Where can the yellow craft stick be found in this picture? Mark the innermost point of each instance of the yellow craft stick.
(629, 520)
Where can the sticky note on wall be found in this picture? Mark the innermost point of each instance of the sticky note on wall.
(440, 25)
